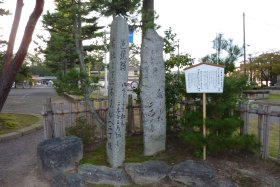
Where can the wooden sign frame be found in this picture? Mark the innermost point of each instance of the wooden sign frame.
(204, 78)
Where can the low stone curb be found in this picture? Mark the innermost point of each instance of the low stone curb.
(155, 173)
(23, 131)
(58, 160)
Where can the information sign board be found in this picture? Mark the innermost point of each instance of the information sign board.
(204, 78)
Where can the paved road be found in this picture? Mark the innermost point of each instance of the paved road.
(18, 156)
(28, 100)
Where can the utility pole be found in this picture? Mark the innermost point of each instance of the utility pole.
(244, 43)
(250, 70)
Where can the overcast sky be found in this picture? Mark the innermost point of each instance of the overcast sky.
(197, 22)
(6, 21)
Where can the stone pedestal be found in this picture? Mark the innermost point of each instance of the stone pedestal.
(153, 93)
(117, 92)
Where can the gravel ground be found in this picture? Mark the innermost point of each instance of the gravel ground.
(18, 156)
(18, 160)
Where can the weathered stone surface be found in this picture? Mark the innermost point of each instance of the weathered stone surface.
(192, 173)
(59, 154)
(102, 175)
(278, 81)
(220, 183)
(147, 172)
(153, 93)
(67, 180)
(117, 92)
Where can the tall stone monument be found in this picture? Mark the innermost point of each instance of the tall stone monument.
(117, 92)
(153, 93)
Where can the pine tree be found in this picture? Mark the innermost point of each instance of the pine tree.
(12, 63)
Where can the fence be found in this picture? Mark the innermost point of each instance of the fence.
(60, 116)
(268, 118)
(261, 119)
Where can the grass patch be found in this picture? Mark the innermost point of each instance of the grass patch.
(273, 135)
(175, 152)
(273, 97)
(11, 122)
(97, 157)
(274, 140)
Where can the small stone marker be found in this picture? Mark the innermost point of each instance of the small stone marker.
(153, 93)
(117, 92)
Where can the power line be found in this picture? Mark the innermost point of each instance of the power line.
(263, 22)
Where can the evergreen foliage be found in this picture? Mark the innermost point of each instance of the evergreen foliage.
(23, 74)
(70, 25)
(227, 53)
(40, 70)
(223, 123)
(73, 82)
(118, 7)
(59, 54)
(3, 11)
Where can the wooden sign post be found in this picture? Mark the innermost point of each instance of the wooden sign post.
(204, 125)
(204, 78)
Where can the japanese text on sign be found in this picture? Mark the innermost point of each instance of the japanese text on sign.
(204, 78)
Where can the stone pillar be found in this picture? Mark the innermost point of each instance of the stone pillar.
(153, 93)
(117, 92)
(278, 80)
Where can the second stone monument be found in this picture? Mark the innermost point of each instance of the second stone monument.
(153, 93)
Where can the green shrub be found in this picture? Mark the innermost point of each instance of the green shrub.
(83, 130)
(223, 124)
(221, 138)
(194, 140)
(246, 144)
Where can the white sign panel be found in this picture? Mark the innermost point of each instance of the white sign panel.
(204, 78)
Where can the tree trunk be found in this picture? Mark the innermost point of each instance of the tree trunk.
(12, 65)
(80, 51)
(147, 15)
(77, 35)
